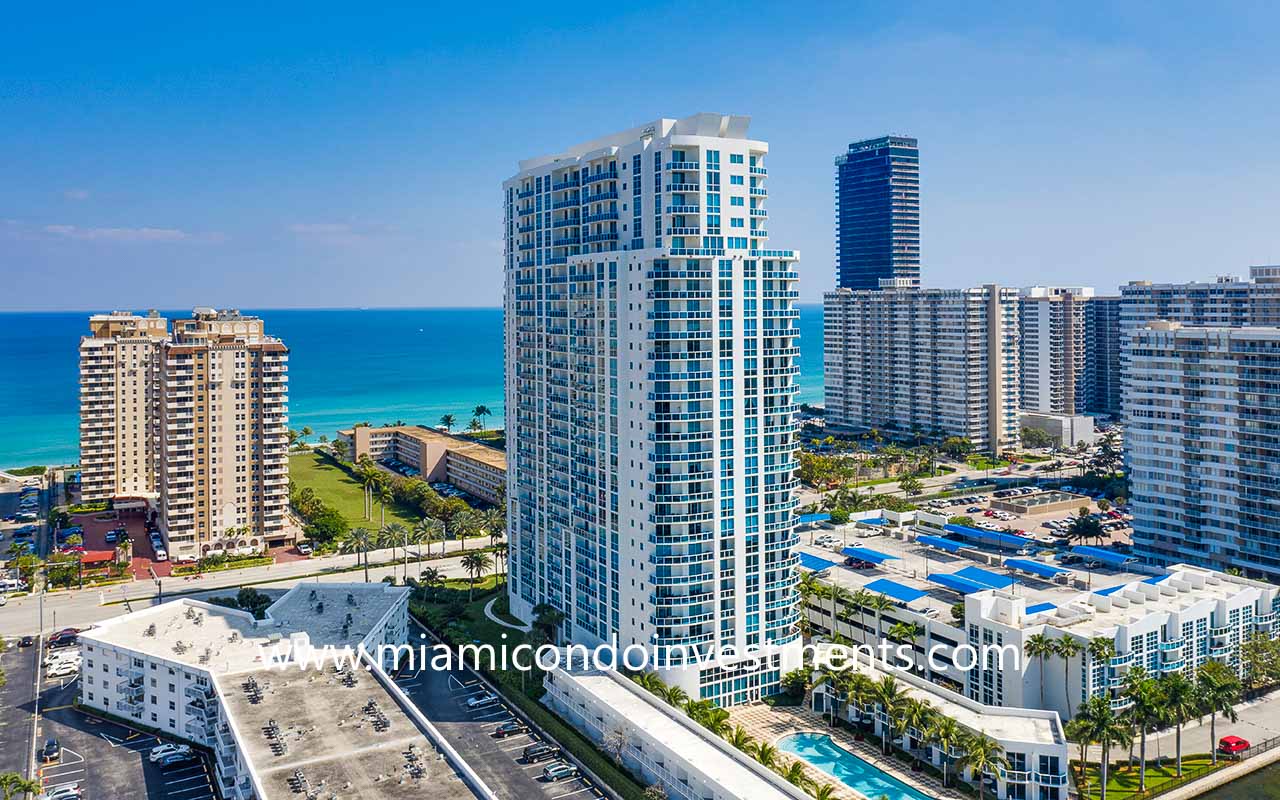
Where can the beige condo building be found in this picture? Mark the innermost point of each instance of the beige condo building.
(474, 468)
(213, 398)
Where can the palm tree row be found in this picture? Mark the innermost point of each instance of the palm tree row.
(1150, 704)
(398, 536)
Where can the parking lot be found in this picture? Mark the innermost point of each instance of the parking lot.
(17, 705)
(442, 698)
(978, 507)
(96, 527)
(107, 759)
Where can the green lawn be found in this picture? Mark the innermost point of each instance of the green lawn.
(1122, 782)
(339, 490)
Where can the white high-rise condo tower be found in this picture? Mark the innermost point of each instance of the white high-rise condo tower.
(651, 380)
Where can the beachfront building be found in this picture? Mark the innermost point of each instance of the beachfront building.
(277, 724)
(473, 467)
(1227, 301)
(651, 379)
(964, 586)
(119, 395)
(933, 362)
(193, 422)
(662, 744)
(878, 213)
(1102, 354)
(1054, 345)
(1202, 413)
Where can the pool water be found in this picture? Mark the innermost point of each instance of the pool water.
(818, 750)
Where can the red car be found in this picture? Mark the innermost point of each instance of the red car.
(1230, 745)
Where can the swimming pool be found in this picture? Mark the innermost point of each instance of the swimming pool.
(814, 563)
(820, 751)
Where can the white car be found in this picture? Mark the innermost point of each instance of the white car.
(67, 791)
(482, 700)
(161, 555)
(63, 670)
(167, 749)
(58, 660)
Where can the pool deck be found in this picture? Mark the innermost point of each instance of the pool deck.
(769, 724)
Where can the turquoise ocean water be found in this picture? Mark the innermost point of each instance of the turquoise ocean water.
(345, 366)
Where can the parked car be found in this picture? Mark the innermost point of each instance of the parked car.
(167, 749)
(63, 670)
(857, 563)
(1231, 745)
(540, 752)
(559, 771)
(482, 700)
(51, 751)
(512, 728)
(26, 641)
(175, 760)
(67, 791)
(304, 548)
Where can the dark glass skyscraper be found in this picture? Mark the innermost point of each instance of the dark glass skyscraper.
(878, 213)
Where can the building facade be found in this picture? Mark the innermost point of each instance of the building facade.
(473, 467)
(1054, 347)
(651, 380)
(1227, 302)
(878, 213)
(935, 362)
(1202, 412)
(119, 396)
(196, 420)
(1102, 354)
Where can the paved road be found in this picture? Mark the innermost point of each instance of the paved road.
(17, 705)
(83, 607)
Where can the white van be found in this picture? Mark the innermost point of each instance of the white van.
(161, 555)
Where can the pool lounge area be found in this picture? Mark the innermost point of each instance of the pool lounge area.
(821, 752)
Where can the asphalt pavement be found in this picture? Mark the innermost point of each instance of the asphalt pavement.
(17, 706)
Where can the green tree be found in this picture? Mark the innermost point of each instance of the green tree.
(1180, 705)
(1084, 527)
(947, 734)
(1219, 691)
(481, 411)
(1067, 648)
(890, 697)
(1101, 725)
(447, 421)
(1146, 710)
(1040, 647)
(911, 486)
(980, 754)
(1033, 438)
(359, 541)
(13, 786)
(476, 564)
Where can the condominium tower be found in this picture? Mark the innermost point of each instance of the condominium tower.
(878, 213)
(1202, 411)
(1226, 302)
(198, 426)
(651, 380)
(1102, 354)
(1054, 334)
(931, 362)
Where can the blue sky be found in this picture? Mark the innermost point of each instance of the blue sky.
(340, 155)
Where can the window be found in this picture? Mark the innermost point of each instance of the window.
(735, 158)
(736, 180)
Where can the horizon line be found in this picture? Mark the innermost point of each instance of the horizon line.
(286, 308)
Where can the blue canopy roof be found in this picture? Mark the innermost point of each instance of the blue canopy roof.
(949, 545)
(805, 519)
(866, 554)
(1109, 590)
(1035, 567)
(1155, 579)
(895, 590)
(986, 577)
(814, 563)
(995, 538)
(957, 584)
(1038, 607)
(1108, 557)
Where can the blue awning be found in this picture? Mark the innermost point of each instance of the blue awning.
(805, 519)
(1035, 567)
(986, 577)
(949, 545)
(895, 590)
(1038, 607)
(814, 563)
(866, 554)
(1108, 557)
(1155, 579)
(1109, 590)
(993, 538)
(957, 584)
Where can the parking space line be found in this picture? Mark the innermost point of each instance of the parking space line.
(570, 794)
(493, 714)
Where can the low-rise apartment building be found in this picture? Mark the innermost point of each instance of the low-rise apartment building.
(475, 468)
(208, 674)
(933, 362)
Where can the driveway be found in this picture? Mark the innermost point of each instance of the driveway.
(17, 705)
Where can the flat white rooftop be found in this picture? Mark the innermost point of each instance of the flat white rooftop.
(225, 640)
(737, 779)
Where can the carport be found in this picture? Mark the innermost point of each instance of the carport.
(867, 554)
(1104, 556)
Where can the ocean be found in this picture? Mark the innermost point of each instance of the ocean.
(345, 366)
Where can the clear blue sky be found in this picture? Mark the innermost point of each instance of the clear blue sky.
(352, 155)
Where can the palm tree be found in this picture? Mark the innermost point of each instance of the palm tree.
(1143, 692)
(890, 697)
(1219, 690)
(1039, 646)
(493, 522)
(359, 541)
(1079, 730)
(1180, 705)
(500, 551)
(462, 525)
(1067, 648)
(481, 411)
(908, 632)
(766, 754)
(824, 792)
(947, 734)
(1106, 728)
(384, 497)
(981, 754)
(649, 681)
(674, 696)
(447, 421)
(13, 786)
(431, 578)
(393, 536)
(839, 596)
(879, 604)
(916, 715)
(431, 529)
(476, 564)
(794, 775)
(739, 738)
(859, 690)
